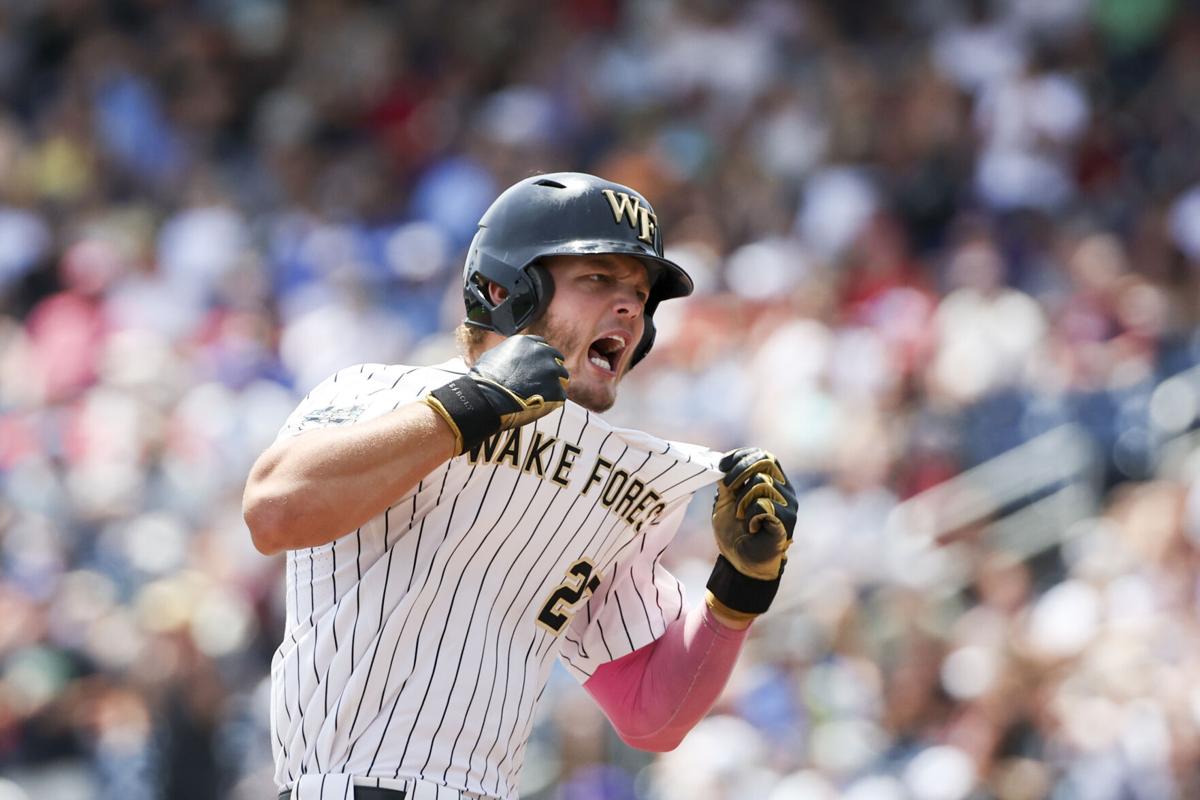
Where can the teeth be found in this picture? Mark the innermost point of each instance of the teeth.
(600, 362)
(618, 343)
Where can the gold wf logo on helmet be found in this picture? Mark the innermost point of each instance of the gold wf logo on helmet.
(640, 217)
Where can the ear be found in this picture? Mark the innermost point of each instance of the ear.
(496, 293)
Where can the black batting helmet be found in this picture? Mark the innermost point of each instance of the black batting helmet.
(562, 213)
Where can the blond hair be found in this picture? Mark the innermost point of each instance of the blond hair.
(471, 341)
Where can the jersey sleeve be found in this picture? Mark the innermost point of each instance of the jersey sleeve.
(357, 394)
(634, 606)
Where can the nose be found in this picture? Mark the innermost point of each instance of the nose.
(628, 303)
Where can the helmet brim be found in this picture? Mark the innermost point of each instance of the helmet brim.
(668, 280)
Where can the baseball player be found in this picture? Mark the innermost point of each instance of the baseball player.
(452, 529)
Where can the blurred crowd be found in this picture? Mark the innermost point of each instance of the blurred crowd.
(923, 232)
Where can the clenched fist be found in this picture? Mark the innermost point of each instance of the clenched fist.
(754, 515)
(514, 383)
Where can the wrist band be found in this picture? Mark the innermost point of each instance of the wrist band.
(469, 410)
(722, 612)
(739, 592)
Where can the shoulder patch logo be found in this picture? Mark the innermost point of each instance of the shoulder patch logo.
(332, 415)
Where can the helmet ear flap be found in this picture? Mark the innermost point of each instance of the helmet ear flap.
(648, 334)
(528, 294)
(543, 288)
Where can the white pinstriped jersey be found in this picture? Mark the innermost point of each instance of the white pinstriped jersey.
(417, 645)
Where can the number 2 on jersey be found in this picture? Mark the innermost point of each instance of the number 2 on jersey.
(579, 583)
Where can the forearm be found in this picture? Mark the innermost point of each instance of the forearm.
(310, 489)
(656, 694)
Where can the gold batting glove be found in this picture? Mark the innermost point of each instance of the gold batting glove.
(754, 516)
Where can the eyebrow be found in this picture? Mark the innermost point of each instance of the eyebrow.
(613, 265)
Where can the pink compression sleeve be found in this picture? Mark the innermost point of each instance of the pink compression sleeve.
(654, 695)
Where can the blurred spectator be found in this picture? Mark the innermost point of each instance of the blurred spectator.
(923, 234)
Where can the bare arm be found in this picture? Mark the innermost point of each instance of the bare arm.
(310, 489)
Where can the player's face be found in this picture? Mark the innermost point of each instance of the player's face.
(596, 320)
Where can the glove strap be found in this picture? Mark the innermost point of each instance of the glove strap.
(739, 592)
(468, 410)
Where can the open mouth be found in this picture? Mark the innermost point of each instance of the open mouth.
(605, 352)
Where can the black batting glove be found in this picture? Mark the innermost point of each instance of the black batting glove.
(754, 516)
(516, 382)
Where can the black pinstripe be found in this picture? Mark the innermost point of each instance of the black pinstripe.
(657, 595)
(483, 651)
(299, 711)
(517, 765)
(496, 646)
(470, 622)
(508, 662)
(520, 697)
(378, 638)
(417, 649)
